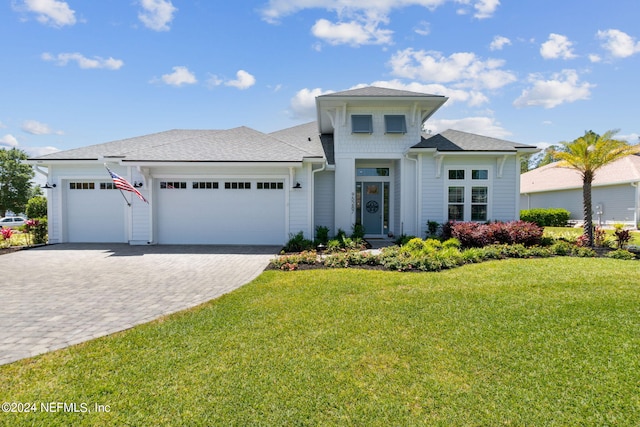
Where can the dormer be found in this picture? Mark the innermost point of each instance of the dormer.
(349, 108)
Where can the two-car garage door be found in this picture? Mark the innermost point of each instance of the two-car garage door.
(185, 211)
(222, 211)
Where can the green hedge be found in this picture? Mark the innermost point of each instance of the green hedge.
(550, 217)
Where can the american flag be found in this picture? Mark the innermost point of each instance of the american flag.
(123, 184)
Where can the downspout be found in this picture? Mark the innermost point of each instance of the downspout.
(406, 156)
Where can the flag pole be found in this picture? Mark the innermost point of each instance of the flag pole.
(123, 196)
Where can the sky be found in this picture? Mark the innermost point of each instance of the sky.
(76, 73)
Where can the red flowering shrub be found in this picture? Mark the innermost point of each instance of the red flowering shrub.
(476, 235)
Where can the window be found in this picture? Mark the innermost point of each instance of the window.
(479, 174)
(361, 123)
(479, 200)
(456, 174)
(205, 185)
(237, 185)
(467, 194)
(173, 185)
(82, 186)
(107, 186)
(456, 203)
(373, 172)
(395, 124)
(270, 185)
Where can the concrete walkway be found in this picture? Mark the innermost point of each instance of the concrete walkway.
(56, 296)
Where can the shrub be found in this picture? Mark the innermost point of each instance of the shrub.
(36, 207)
(621, 254)
(452, 243)
(402, 239)
(583, 252)
(476, 235)
(432, 228)
(298, 243)
(291, 262)
(350, 258)
(622, 237)
(357, 231)
(561, 248)
(549, 217)
(39, 231)
(322, 234)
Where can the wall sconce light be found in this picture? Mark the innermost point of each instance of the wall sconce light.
(48, 186)
(297, 185)
(137, 184)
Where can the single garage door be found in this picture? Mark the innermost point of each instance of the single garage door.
(95, 212)
(232, 211)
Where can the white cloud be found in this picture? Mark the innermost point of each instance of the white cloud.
(486, 126)
(180, 76)
(83, 62)
(485, 8)
(423, 28)
(9, 141)
(619, 44)
(464, 69)
(157, 14)
(358, 21)
(632, 138)
(499, 42)
(51, 12)
(303, 104)
(35, 127)
(594, 58)
(352, 33)
(243, 80)
(562, 88)
(558, 46)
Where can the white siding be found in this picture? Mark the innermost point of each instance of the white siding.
(324, 203)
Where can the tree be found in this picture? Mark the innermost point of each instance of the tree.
(15, 180)
(37, 207)
(586, 155)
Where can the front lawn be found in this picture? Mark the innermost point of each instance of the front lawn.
(551, 341)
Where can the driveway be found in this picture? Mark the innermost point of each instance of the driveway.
(56, 296)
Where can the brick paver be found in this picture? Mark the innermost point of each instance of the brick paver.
(61, 295)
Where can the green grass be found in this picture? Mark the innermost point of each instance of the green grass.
(576, 232)
(518, 342)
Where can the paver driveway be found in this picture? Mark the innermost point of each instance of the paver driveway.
(59, 295)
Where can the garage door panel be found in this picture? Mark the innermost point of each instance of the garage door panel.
(94, 213)
(246, 215)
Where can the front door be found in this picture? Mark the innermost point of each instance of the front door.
(372, 207)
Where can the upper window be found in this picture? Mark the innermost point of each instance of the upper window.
(479, 174)
(395, 124)
(361, 123)
(372, 171)
(175, 185)
(82, 186)
(456, 173)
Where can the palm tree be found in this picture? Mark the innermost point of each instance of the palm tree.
(586, 155)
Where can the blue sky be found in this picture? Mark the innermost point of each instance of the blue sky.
(76, 73)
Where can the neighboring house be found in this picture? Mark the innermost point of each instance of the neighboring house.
(615, 192)
(365, 161)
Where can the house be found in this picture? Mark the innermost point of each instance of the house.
(365, 160)
(615, 191)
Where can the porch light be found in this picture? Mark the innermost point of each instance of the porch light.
(48, 186)
(297, 185)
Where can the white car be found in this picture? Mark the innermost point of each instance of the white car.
(12, 222)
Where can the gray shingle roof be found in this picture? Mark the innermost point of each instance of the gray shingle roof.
(455, 140)
(373, 91)
(240, 144)
(306, 136)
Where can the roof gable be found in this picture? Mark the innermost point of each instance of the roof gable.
(455, 140)
(374, 91)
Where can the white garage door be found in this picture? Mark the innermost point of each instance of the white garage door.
(95, 212)
(233, 211)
